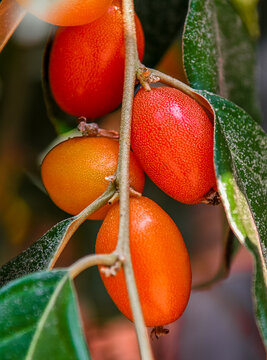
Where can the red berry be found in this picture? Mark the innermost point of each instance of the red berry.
(86, 68)
(172, 137)
(160, 261)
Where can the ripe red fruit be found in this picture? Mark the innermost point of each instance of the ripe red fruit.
(66, 12)
(160, 261)
(172, 137)
(86, 68)
(74, 172)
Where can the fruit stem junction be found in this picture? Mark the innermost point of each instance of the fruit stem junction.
(145, 76)
(108, 260)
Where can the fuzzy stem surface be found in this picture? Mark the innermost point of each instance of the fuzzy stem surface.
(123, 246)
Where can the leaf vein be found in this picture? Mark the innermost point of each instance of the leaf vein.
(44, 317)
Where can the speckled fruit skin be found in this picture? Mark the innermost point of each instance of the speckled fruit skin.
(86, 68)
(172, 137)
(160, 261)
(74, 172)
(66, 12)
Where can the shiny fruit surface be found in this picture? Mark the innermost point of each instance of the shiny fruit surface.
(172, 137)
(66, 12)
(160, 261)
(74, 172)
(86, 67)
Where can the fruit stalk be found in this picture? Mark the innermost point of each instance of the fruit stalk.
(82, 216)
(175, 83)
(92, 260)
(131, 59)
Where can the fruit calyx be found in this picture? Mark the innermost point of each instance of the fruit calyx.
(146, 76)
(92, 129)
(158, 331)
(212, 198)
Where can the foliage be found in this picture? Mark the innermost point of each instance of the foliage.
(224, 64)
(39, 319)
(39, 256)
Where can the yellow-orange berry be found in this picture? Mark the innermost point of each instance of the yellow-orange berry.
(74, 172)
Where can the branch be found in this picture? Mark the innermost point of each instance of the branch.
(131, 60)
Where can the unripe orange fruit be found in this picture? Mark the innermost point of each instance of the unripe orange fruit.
(160, 261)
(74, 173)
(172, 137)
(86, 67)
(66, 12)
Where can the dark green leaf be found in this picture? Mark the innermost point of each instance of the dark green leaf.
(39, 319)
(38, 256)
(219, 55)
(162, 21)
(240, 155)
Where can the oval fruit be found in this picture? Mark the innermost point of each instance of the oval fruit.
(74, 173)
(86, 67)
(160, 261)
(172, 137)
(66, 12)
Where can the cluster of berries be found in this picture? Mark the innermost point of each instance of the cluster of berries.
(172, 141)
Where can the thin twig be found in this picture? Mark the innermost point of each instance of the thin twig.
(92, 260)
(82, 216)
(131, 59)
(98, 203)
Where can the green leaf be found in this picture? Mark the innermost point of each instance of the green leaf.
(219, 55)
(39, 256)
(240, 156)
(40, 320)
(161, 21)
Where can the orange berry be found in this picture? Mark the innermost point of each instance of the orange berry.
(74, 173)
(172, 137)
(160, 261)
(86, 67)
(66, 12)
